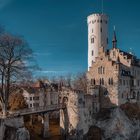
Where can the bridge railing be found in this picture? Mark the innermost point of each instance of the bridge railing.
(38, 109)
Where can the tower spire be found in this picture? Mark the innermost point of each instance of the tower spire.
(114, 40)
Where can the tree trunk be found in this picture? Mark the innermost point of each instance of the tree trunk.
(4, 109)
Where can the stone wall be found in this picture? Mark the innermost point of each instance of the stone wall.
(13, 129)
(76, 119)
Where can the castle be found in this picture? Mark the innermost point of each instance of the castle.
(113, 75)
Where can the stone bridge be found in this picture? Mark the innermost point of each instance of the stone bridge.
(14, 116)
(36, 110)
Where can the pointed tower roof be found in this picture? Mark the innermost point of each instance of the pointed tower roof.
(114, 40)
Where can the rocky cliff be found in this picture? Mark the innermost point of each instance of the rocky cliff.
(120, 123)
(13, 129)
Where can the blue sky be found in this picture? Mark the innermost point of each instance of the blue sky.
(56, 30)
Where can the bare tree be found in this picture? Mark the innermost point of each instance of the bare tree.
(80, 82)
(14, 65)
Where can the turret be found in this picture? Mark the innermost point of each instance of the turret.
(97, 35)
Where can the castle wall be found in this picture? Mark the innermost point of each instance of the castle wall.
(77, 117)
(116, 72)
(105, 74)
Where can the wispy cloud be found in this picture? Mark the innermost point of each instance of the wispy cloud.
(51, 72)
(4, 3)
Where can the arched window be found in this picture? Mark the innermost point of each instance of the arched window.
(102, 81)
(101, 69)
(92, 40)
(94, 82)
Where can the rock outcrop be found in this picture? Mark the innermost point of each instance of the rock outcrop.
(13, 129)
(115, 124)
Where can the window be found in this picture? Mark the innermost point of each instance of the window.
(92, 53)
(102, 81)
(30, 105)
(92, 30)
(92, 62)
(134, 95)
(94, 82)
(101, 69)
(92, 40)
(138, 94)
(30, 98)
(101, 30)
(106, 93)
(110, 81)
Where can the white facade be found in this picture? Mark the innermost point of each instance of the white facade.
(97, 35)
(34, 99)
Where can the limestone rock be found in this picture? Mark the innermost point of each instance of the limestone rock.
(22, 134)
(13, 129)
(119, 126)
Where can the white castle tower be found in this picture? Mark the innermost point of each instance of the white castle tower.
(97, 35)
